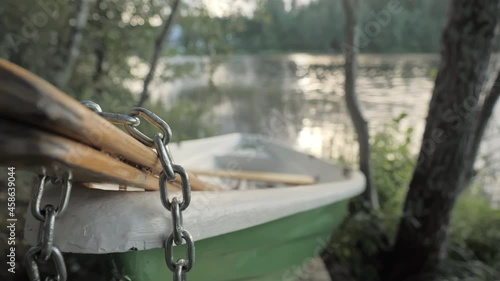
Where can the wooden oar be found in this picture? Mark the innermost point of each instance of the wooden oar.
(291, 179)
(27, 98)
(25, 147)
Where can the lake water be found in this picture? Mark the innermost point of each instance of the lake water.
(298, 98)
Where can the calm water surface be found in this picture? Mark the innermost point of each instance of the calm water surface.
(298, 98)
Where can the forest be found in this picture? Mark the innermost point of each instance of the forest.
(387, 27)
(97, 35)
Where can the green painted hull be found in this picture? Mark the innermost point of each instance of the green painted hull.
(271, 251)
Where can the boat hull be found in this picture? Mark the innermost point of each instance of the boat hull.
(275, 250)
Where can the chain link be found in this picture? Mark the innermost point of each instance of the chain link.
(188, 263)
(165, 157)
(160, 142)
(47, 216)
(38, 191)
(176, 221)
(186, 188)
(179, 274)
(114, 118)
(47, 232)
(32, 266)
(154, 120)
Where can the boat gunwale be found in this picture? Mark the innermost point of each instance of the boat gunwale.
(92, 228)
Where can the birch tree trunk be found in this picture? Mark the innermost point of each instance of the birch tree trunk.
(352, 12)
(455, 125)
(160, 43)
(72, 50)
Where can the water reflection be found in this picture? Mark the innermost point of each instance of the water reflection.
(305, 93)
(298, 99)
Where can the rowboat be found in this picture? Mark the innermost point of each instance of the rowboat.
(259, 209)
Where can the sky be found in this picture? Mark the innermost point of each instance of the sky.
(221, 8)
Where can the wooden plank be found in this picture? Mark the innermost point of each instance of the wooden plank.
(27, 98)
(43, 152)
(291, 179)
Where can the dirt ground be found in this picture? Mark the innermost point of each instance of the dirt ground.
(314, 271)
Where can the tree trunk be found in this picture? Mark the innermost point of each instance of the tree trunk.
(99, 50)
(450, 141)
(72, 50)
(160, 43)
(352, 11)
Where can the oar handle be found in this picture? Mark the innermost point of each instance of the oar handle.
(28, 99)
(292, 179)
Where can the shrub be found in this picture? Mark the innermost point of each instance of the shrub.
(475, 228)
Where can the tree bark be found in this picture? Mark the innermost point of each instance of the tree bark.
(482, 121)
(352, 11)
(99, 49)
(160, 43)
(72, 50)
(450, 141)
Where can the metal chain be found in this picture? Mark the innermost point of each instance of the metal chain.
(160, 142)
(47, 216)
(114, 118)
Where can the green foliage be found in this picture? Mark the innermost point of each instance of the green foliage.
(204, 34)
(475, 231)
(117, 40)
(475, 236)
(470, 270)
(363, 236)
(414, 26)
(120, 35)
(186, 120)
(357, 243)
(393, 164)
